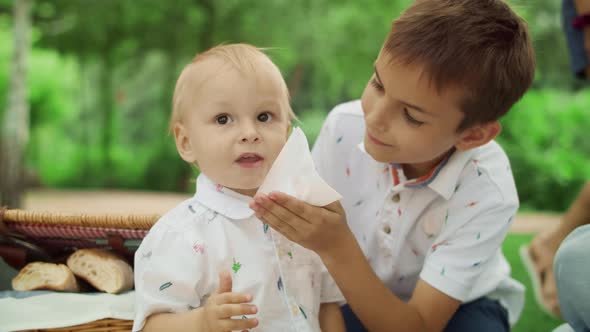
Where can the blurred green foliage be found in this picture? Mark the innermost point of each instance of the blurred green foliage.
(546, 138)
(101, 75)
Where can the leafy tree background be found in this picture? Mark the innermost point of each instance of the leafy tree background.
(101, 76)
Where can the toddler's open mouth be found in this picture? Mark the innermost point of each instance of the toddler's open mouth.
(250, 160)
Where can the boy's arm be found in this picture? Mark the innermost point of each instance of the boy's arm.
(331, 318)
(377, 307)
(481, 228)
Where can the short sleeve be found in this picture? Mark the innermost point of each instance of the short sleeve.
(322, 151)
(168, 274)
(479, 217)
(330, 292)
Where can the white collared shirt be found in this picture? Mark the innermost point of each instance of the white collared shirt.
(446, 228)
(178, 263)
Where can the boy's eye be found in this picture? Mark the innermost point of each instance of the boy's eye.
(411, 119)
(264, 117)
(376, 84)
(223, 119)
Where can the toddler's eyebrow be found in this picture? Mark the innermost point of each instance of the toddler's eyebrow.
(269, 103)
(223, 103)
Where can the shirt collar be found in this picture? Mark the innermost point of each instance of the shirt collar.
(448, 177)
(222, 200)
(442, 178)
(425, 179)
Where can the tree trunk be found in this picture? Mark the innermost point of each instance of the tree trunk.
(107, 104)
(85, 115)
(15, 131)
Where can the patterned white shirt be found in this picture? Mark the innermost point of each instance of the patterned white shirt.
(178, 263)
(446, 227)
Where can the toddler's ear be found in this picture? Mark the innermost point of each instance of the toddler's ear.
(478, 135)
(183, 144)
(288, 129)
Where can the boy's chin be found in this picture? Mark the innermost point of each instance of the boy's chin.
(379, 156)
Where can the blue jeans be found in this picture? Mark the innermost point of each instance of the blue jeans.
(482, 315)
(572, 276)
(575, 39)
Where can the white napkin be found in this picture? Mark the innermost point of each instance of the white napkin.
(45, 310)
(293, 173)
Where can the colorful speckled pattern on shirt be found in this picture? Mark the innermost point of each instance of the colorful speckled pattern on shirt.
(445, 227)
(177, 264)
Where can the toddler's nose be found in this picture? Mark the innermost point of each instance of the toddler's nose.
(249, 134)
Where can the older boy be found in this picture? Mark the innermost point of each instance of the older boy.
(429, 196)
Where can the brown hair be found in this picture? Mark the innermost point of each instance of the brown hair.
(243, 57)
(480, 46)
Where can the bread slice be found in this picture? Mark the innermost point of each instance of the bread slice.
(39, 275)
(104, 270)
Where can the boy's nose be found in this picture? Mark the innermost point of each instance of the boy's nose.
(378, 120)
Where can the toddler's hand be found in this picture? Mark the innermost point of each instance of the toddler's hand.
(222, 305)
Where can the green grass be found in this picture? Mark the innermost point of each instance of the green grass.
(533, 319)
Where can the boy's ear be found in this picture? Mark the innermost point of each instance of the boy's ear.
(478, 135)
(183, 144)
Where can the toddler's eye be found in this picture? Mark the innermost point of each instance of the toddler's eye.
(264, 117)
(223, 119)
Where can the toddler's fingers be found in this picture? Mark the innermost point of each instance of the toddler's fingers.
(233, 298)
(231, 310)
(225, 282)
(238, 324)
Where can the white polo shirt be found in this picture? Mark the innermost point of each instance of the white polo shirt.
(178, 263)
(445, 228)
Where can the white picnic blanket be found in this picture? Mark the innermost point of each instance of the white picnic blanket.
(44, 309)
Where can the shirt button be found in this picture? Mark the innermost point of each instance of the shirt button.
(395, 198)
(387, 229)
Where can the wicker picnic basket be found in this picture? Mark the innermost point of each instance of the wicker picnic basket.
(55, 235)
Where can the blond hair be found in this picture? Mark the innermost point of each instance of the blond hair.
(242, 57)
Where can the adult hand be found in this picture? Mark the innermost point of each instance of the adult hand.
(542, 250)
